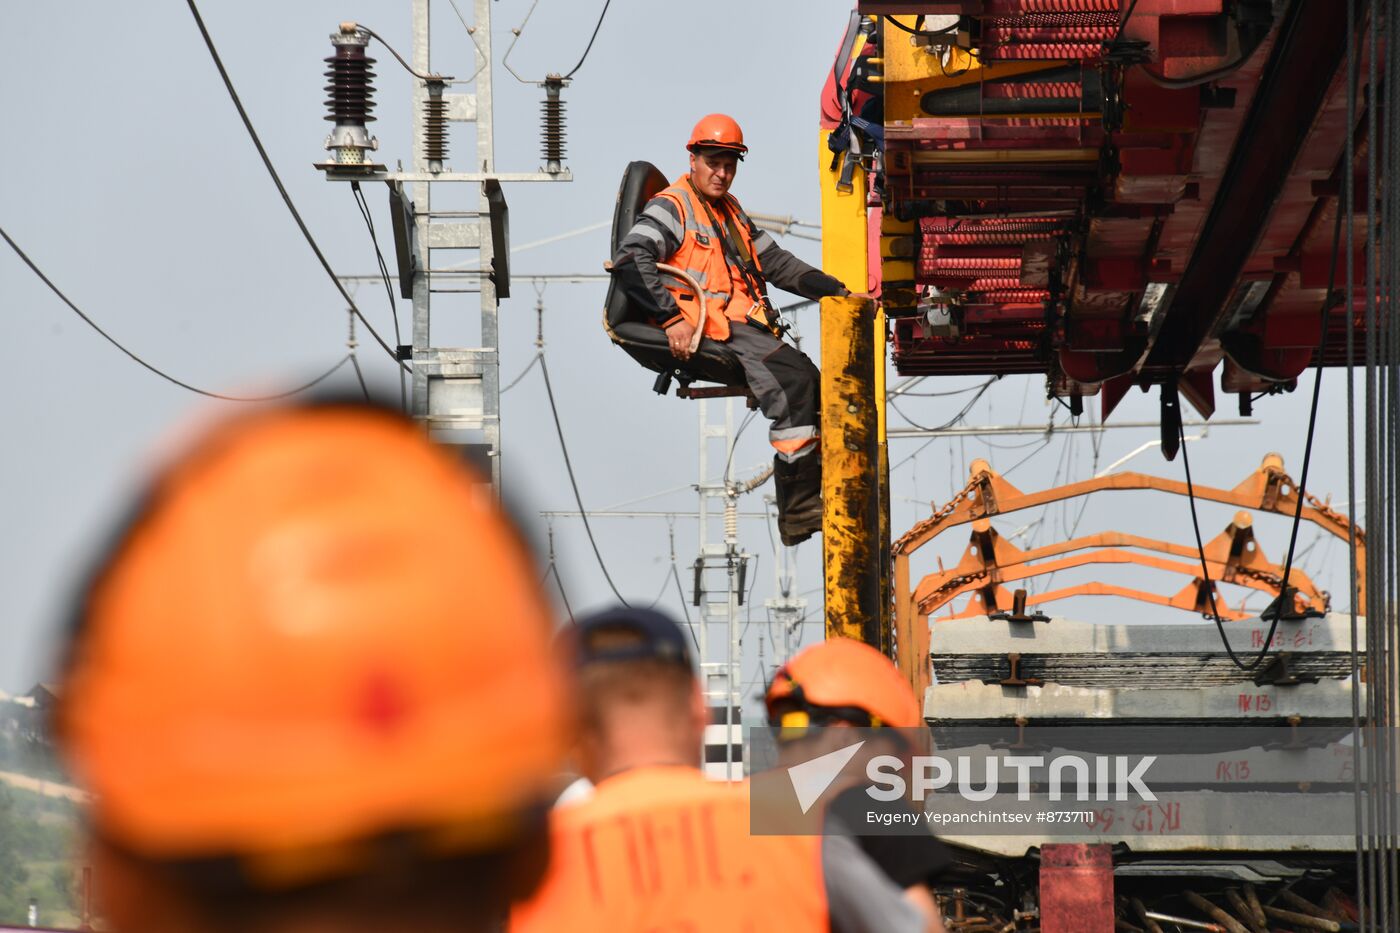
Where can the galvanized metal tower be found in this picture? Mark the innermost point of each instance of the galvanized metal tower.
(456, 391)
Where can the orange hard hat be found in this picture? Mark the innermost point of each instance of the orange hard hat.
(717, 131)
(842, 674)
(319, 629)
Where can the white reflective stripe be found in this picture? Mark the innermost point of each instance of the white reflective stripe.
(792, 434)
(647, 231)
(665, 218)
(761, 242)
(700, 275)
(693, 215)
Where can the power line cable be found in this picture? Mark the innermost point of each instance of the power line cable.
(281, 188)
(151, 367)
(388, 288)
(981, 390)
(407, 67)
(360, 376)
(573, 482)
(553, 570)
(589, 48)
(523, 373)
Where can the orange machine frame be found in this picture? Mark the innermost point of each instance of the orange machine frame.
(991, 560)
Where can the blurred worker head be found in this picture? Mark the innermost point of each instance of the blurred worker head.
(311, 686)
(639, 701)
(716, 145)
(836, 684)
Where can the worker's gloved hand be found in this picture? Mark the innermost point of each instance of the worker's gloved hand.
(679, 336)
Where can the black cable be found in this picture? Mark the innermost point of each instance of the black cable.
(1278, 607)
(578, 499)
(916, 31)
(360, 376)
(908, 394)
(384, 274)
(162, 374)
(553, 571)
(729, 460)
(685, 607)
(981, 390)
(276, 180)
(1027, 457)
(599, 25)
(409, 68)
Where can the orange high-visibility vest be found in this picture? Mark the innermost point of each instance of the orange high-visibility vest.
(727, 297)
(664, 850)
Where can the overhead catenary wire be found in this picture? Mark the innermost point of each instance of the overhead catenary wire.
(573, 481)
(552, 570)
(407, 67)
(33, 267)
(518, 30)
(597, 26)
(281, 188)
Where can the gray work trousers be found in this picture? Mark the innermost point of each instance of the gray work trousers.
(787, 386)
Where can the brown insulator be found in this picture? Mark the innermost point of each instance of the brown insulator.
(553, 135)
(351, 85)
(435, 124)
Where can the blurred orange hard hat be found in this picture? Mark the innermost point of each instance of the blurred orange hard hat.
(843, 675)
(717, 131)
(320, 628)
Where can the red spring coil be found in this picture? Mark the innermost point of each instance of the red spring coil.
(1032, 90)
(968, 263)
(1060, 50)
(1014, 7)
(1043, 34)
(982, 239)
(1056, 19)
(986, 225)
(993, 285)
(1010, 296)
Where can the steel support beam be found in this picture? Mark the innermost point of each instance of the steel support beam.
(857, 588)
(1310, 48)
(850, 464)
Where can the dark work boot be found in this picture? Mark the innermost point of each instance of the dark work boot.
(799, 495)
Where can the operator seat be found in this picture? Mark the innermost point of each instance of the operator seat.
(628, 325)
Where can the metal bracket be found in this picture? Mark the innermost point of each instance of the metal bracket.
(1013, 676)
(1279, 673)
(1018, 611)
(1285, 608)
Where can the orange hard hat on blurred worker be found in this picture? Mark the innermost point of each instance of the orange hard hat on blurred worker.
(845, 680)
(319, 630)
(717, 131)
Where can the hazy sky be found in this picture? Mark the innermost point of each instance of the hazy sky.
(131, 182)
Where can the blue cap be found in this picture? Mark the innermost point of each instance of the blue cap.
(624, 634)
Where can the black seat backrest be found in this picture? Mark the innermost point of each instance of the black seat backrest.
(641, 182)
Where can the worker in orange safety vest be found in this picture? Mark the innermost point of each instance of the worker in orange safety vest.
(657, 846)
(697, 225)
(816, 703)
(312, 690)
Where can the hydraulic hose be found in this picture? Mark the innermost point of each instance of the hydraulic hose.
(689, 282)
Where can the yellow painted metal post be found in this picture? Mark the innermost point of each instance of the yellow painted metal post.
(854, 532)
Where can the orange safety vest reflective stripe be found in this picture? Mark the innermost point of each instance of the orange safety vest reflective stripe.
(727, 297)
(665, 849)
